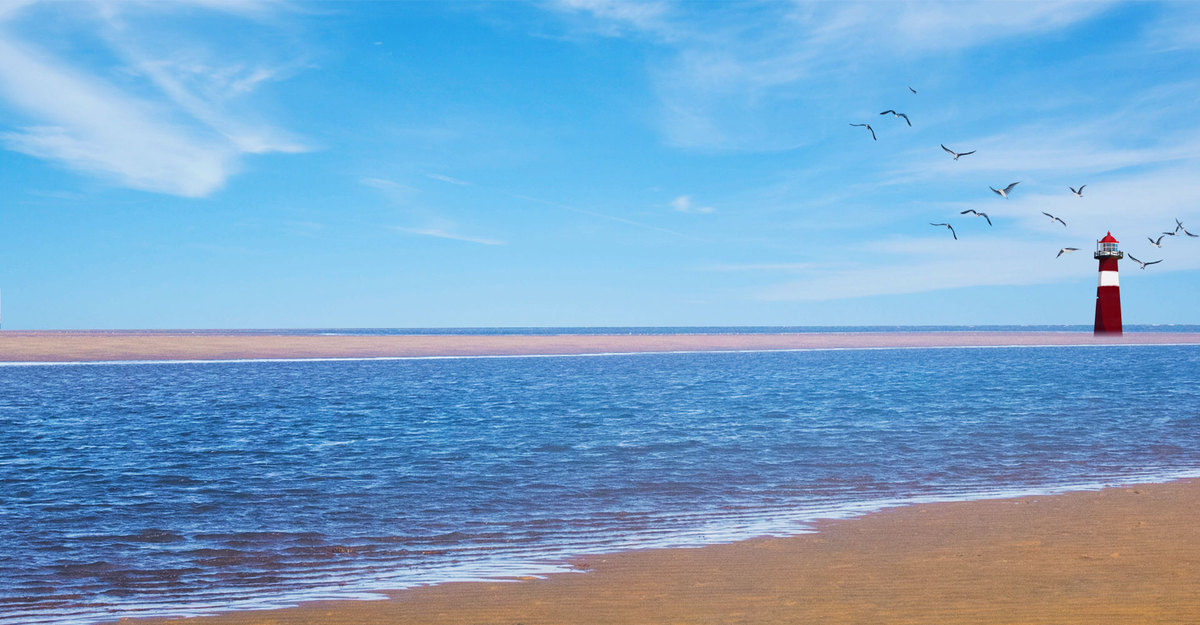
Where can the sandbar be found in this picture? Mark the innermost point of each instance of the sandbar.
(1128, 555)
(83, 346)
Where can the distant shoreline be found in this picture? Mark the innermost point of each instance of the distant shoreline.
(96, 346)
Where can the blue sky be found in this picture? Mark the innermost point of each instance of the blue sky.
(220, 164)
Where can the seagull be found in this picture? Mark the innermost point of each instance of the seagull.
(958, 154)
(1079, 192)
(895, 114)
(1054, 219)
(977, 214)
(1179, 226)
(868, 128)
(1004, 192)
(948, 226)
(1143, 265)
(1158, 242)
(1066, 250)
(912, 90)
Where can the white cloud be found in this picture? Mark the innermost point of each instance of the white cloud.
(615, 16)
(946, 25)
(444, 234)
(722, 72)
(9, 8)
(933, 264)
(684, 204)
(448, 179)
(185, 142)
(379, 183)
(91, 127)
(392, 190)
(1175, 29)
(764, 267)
(250, 138)
(1020, 249)
(1084, 148)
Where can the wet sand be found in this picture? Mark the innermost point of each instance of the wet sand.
(99, 346)
(1128, 555)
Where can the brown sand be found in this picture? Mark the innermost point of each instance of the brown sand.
(1123, 555)
(91, 346)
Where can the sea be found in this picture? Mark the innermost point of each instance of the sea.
(187, 488)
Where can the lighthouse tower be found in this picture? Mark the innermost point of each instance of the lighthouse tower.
(1108, 292)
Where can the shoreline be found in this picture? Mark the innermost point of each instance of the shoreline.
(1126, 553)
(100, 346)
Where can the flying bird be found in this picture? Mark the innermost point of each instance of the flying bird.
(948, 226)
(1158, 242)
(1179, 227)
(1188, 233)
(1066, 250)
(1004, 192)
(958, 154)
(1143, 265)
(895, 114)
(868, 128)
(977, 214)
(912, 90)
(1079, 192)
(1054, 219)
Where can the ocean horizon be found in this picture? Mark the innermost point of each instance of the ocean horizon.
(644, 330)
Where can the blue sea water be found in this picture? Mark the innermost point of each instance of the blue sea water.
(185, 488)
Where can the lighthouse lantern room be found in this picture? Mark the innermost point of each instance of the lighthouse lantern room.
(1108, 290)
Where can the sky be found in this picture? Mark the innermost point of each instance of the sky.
(277, 164)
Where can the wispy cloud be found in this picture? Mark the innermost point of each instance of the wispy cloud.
(448, 179)
(944, 25)
(443, 234)
(91, 127)
(186, 84)
(722, 73)
(180, 142)
(931, 264)
(684, 204)
(1052, 148)
(12, 7)
(432, 223)
(394, 191)
(381, 183)
(1175, 29)
(1021, 248)
(612, 17)
(763, 267)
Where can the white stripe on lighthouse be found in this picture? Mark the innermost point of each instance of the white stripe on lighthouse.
(1108, 278)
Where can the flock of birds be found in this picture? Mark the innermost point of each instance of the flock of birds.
(1004, 192)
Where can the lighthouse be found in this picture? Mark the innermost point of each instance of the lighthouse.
(1108, 292)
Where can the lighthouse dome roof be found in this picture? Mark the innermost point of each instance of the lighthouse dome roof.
(1108, 238)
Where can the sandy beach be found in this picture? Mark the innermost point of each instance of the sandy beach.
(61, 346)
(1121, 555)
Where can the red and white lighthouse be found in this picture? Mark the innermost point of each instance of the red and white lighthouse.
(1108, 291)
